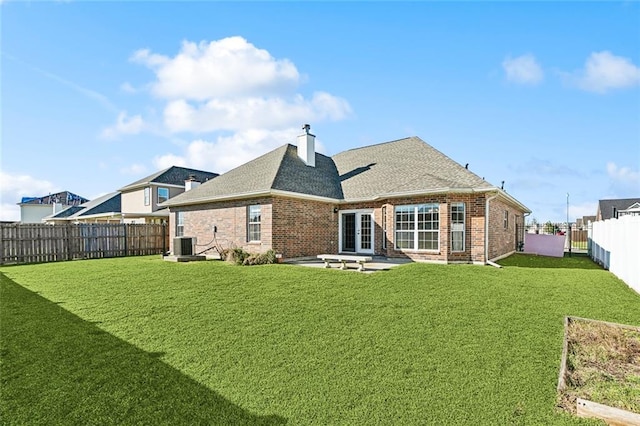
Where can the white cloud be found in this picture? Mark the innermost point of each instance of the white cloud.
(134, 169)
(128, 88)
(227, 152)
(523, 69)
(224, 68)
(125, 125)
(583, 209)
(237, 99)
(16, 186)
(603, 71)
(231, 85)
(625, 175)
(243, 113)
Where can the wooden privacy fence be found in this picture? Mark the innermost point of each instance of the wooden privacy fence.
(37, 243)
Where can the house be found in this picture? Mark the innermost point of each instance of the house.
(396, 199)
(141, 199)
(35, 209)
(612, 209)
(583, 222)
(136, 202)
(104, 209)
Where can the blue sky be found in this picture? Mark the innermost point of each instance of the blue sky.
(544, 96)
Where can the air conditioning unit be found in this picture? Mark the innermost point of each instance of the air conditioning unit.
(183, 246)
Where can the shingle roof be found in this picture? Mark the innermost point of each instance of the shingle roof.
(108, 203)
(65, 198)
(404, 166)
(173, 175)
(280, 169)
(606, 207)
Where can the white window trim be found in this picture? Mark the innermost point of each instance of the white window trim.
(464, 227)
(249, 223)
(158, 194)
(179, 224)
(415, 231)
(384, 227)
(147, 195)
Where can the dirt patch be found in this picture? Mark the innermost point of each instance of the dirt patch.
(602, 365)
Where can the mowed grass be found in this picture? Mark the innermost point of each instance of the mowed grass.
(143, 341)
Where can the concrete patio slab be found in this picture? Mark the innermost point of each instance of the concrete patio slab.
(378, 264)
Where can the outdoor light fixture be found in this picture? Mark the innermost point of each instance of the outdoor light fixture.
(335, 210)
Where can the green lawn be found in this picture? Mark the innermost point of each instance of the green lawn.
(142, 341)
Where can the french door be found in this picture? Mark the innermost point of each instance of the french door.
(356, 232)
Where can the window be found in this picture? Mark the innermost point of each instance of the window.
(179, 224)
(506, 219)
(147, 196)
(457, 226)
(418, 227)
(163, 195)
(253, 223)
(384, 227)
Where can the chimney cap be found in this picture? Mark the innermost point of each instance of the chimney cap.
(306, 127)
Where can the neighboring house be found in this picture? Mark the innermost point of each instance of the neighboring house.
(104, 209)
(612, 209)
(35, 209)
(584, 221)
(141, 199)
(396, 199)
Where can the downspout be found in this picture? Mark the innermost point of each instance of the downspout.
(486, 231)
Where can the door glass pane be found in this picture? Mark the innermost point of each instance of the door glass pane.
(349, 232)
(365, 232)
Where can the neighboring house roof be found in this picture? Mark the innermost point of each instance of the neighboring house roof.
(106, 204)
(607, 208)
(65, 198)
(404, 167)
(173, 175)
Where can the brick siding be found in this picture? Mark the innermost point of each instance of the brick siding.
(502, 241)
(298, 228)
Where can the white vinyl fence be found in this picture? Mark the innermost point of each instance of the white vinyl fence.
(615, 244)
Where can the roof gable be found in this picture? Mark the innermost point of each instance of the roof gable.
(404, 166)
(173, 175)
(108, 203)
(606, 208)
(256, 176)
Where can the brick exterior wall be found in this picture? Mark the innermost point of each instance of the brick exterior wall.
(230, 218)
(298, 228)
(502, 239)
(303, 228)
(474, 229)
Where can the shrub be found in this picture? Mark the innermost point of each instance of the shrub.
(238, 256)
(234, 255)
(261, 259)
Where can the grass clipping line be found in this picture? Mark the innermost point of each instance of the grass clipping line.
(601, 363)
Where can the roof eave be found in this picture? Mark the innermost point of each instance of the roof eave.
(417, 193)
(148, 183)
(249, 195)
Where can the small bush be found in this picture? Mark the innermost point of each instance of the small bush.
(238, 256)
(261, 259)
(234, 255)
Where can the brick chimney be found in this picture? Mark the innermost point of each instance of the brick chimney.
(307, 146)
